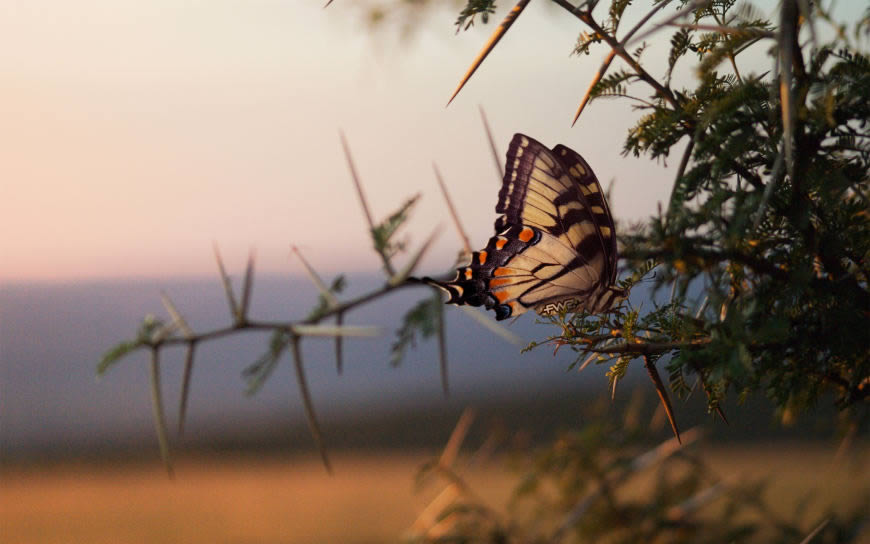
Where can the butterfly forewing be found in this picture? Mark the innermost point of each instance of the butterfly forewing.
(580, 170)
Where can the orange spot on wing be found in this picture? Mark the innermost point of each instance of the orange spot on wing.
(500, 281)
(502, 271)
(500, 243)
(501, 295)
(526, 234)
(468, 273)
(481, 257)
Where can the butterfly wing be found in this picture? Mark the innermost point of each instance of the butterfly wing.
(547, 253)
(582, 173)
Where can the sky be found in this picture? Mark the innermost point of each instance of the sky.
(137, 134)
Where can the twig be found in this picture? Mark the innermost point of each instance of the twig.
(787, 40)
(330, 300)
(454, 443)
(495, 156)
(644, 20)
(326, 330)
(592, 357)
(185, 385)
(294, 325)
(619, 49)
(726, 29)
(681, 171)
(228, 287)
(316, 279)
(595, 79)
(426, 519)
(697, 501)
(684, 161)
(466, 243)
(692, 6)
(339, 342)
(159, 414)
(247, 284)
(815, 531)
(179, 321)
(403, 275)
(606, 63)
(650, 348)
(442, 344)
(363, 202)
(493, 40)
(176, 316)
(493, 326)
(663, 394)
(306, 401)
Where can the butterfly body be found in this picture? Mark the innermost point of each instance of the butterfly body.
(555, 245)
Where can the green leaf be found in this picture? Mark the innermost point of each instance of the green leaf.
(115, 354)
(383, 234)
(323, 305)
(146, 335)
(422, 319)
(257, 373)
(472, 9)
(618, 369)
(680, 44)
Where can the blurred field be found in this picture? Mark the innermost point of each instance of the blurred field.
(370, 498)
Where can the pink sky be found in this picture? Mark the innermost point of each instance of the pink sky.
(137, 133)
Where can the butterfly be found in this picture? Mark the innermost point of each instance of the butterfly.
(555, 244)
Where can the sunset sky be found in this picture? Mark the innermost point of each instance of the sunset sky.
(135, 134)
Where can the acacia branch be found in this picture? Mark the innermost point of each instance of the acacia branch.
(649, 348)
(619, 49)
(756, 264)
(285, 325)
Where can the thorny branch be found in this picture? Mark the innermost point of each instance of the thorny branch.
(154, 335)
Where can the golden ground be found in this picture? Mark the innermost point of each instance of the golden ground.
(272, 500)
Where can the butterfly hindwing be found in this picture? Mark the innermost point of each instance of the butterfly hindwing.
(542, 273)
(472, 282)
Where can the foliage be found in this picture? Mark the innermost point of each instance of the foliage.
(425, 319)
(148, 331)
(765, 239)
(484, 8)
(323, 302)
(608, 481)
(422, 319)
(384, 233)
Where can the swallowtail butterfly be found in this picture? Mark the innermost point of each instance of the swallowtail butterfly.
(555, 242)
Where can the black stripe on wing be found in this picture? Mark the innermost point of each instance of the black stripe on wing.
(533, 178)
(538, 191)
(593, 196)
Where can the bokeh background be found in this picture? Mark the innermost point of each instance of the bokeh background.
(137, 134)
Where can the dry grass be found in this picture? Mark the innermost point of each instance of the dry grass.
(371, 498)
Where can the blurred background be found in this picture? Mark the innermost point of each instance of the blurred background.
(137, 134)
